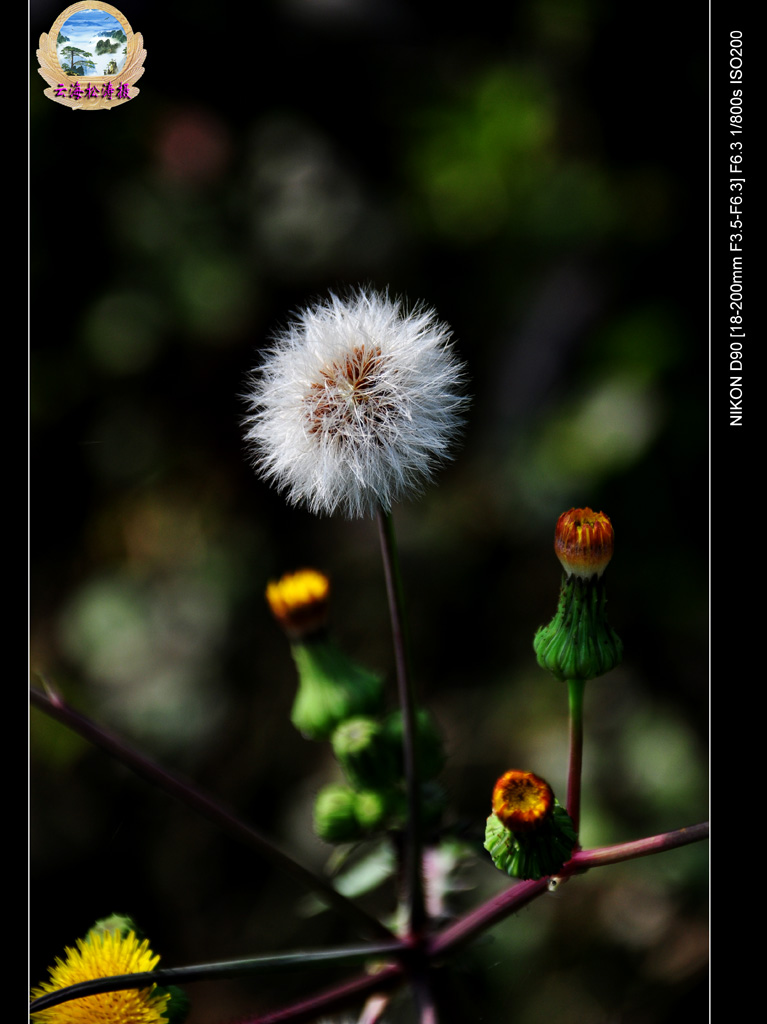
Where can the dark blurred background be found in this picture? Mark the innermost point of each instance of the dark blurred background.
(527, 169)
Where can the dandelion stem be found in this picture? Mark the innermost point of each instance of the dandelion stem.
(340, 957)
(412, 866)
(575, 690)
(210, 809)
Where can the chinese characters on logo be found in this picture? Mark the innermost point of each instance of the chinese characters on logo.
(89, 91)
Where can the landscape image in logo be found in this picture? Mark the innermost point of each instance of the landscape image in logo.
(91, 42)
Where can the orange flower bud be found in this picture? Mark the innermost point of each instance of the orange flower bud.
(522, 801)
(583, 542)
(299, 602)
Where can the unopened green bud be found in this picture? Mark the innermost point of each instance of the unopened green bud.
(331, 689)
(433, 804)
(579, 643)
(371, 808)
(528, 835)
(429, 747)
(343, 815)
(365, 753)
(335, 819)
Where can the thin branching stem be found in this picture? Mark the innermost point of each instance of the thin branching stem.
(519, 895)
(413, 877)
(211, 809)
(340, 997)
(485, 916)
(602, 855)
(281, 962)
(424, 998)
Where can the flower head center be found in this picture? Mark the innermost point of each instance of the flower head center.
(522, 801)
(350, 391)
(356, 405)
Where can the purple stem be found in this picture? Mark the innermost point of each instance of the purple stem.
(485, 916)
(601, 855)
(575, 691)
(338, 998)
(424, 996)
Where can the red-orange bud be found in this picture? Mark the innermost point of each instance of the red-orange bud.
(522, 801)
(583, 542)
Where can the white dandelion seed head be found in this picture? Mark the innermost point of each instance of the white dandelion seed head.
(356, 404)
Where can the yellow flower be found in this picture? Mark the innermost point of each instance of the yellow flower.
(102, 955)
(299, 602)
(583, 542)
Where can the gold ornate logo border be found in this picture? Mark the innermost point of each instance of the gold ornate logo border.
(95, 92)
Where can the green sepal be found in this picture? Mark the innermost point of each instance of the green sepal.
(532, 855)
(331, 688)
(579, 643)
(178, 1006)
(119, 923)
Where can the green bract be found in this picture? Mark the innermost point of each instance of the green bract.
(331, 688)
(579, 643)
(531, 855)
(429, 748)
(364, 752)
